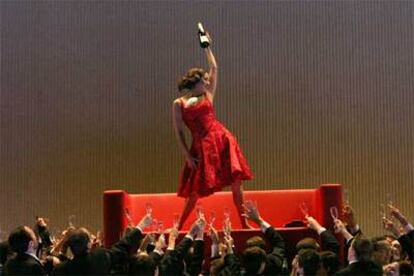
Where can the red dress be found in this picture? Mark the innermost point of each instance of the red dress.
(220, 160)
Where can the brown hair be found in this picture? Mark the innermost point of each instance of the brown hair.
(78, 241)
(307, 243)
(309, 260)
(363, 248)
(193, 76)
(256, 241)
(216, 265)
(19, 240)
(253, 258)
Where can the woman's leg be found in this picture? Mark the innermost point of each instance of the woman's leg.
(189, 205)
(238, 199)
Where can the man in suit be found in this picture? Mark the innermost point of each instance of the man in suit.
(255, 259)
(43, 236)
(359, 258)
(223, 260)
(406, 239)
(23, 241)
(176, 261)
(329, 242)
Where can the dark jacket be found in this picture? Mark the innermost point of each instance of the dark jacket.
(173, 261)
(24, 264)
(276, 258)
(232, 266)
(407, 244)
(329, 242)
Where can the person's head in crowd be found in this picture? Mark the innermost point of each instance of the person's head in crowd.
(256, 241)
(23, 240)
(254, 260)
(40, 225)
(360, 250)
(5, 252)
(406, 268)
(389, 238)
(382, 252)
(329, 263)
(216, 266)
(307, 243)
(309, 262)
(142, 264)
(396, 251)
(79, 241)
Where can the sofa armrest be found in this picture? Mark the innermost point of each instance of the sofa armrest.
(114, 204)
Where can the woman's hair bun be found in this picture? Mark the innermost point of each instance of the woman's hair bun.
(193, 76)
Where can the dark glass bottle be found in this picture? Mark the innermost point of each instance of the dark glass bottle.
(202, 36)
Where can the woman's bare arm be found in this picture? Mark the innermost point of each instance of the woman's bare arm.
(179, 131)
(212, 72)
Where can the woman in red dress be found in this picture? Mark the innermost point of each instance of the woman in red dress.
(214, 159)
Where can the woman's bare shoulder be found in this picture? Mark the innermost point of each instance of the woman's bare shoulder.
(178, 101)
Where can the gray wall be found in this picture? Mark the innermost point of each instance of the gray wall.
(316, 92)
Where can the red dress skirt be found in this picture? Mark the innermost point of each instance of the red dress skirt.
(220, 160)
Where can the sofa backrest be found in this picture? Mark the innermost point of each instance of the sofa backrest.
(278, 207)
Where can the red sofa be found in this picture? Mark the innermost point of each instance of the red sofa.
(278, 207)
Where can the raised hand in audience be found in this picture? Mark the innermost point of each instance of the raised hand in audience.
(406, 239)
(295, 266)
(172, 262)
(340, 228)
(313, 224)
(145, 222)
(349, 219)
(396, 213)
(251, 212)
(215, 242)
(95, 241)
(229, 242)
(329, 241)
(214, 235)
(148, 239)
(172, 237)
(391, 269)
(41, 222)
(201, 227)
(43, 236)
(196, 228)
(160, 244)
(391, 227)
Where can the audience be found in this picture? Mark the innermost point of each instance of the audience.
(78, 252)
(100, 261)
(24, 243)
